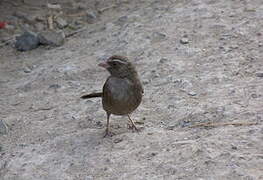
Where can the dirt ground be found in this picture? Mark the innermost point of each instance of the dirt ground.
(201, 65)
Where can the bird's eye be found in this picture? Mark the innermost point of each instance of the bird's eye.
(114, 63)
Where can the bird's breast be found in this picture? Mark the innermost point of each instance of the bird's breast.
(120, 96)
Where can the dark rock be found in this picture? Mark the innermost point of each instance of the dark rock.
(259, 74)
(53, 38)
(27, 41)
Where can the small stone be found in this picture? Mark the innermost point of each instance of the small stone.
(3, 127)
(54, 86)
(184, 40)
(62, 23)
(259, 74)
(91, 17)
(254, 95)
(117, 140)
(29, 18)
(163, 60)
(27, 70)
(27, 41)
(53, 38)
(171, 127)
(233, 147)
(192, 93)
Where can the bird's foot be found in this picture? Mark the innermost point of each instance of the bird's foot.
(108, 133)
(133, 127)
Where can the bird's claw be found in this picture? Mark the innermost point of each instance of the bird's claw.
(108, 133)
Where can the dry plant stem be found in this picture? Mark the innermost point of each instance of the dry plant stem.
(106, 8)
(224, 124)
(75, 32)
(50, 22)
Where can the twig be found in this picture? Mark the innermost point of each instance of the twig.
(106, 8)
(50, 22)
(75, 32)
(224, 124)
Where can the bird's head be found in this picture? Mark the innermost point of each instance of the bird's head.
(119, 66)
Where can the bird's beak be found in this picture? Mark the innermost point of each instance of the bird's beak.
(104, 65)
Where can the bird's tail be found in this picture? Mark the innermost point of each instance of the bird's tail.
(92, 95)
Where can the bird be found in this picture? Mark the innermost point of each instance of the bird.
(122, 92)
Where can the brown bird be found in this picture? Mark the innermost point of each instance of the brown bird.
(122, 92)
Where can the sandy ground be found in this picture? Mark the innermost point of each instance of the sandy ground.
(200, 62)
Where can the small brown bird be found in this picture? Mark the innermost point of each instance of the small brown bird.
(122, 91)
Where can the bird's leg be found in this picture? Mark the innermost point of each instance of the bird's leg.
(133, 125)
(107, 132)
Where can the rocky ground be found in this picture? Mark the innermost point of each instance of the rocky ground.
(202, 113)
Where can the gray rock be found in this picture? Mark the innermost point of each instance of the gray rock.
(192, 93)
(53, 38)
(27, 41)
(259, 74)
(3, 127)
(184, 40)
(62, 23)
(91, 17)
(27, 69)
(27, 17)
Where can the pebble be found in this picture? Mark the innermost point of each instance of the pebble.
(54, 86)
(53, 38)
(91, 17)
(27, 41)
(163, 60)
(259, 74)
(184, 40)
(62, 23)
(117, 140)
(192, 93)
(27, 70)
